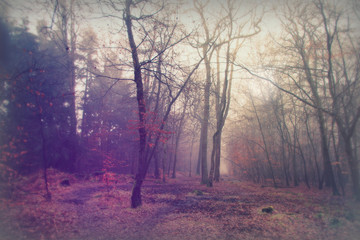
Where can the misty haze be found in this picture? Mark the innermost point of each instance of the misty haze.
(179, 119)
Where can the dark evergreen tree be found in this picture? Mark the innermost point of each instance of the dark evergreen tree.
(34, 117)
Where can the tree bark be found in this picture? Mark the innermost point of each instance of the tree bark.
(328, 171)
(205, 121)
(190, 157)
(346, 129)
(44, 157)
(354, 168)
(141, 172)
(199, 156)
(217, 159)
(156, 170)
(136, 200)
(177, 141)
(212, 165)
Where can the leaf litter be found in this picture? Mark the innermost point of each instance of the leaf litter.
(179, 209)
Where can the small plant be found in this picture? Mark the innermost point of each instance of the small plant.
(110, 179)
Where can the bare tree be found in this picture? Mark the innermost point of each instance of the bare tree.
(342, 76)
(265, 144)
(208, 48)
(179, 131)
(300, 74)
(222, 100)
(144, 158)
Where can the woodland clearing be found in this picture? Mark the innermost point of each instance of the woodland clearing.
(181, 208)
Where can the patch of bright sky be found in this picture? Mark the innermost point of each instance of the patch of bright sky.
(94, 17)
(109, 29)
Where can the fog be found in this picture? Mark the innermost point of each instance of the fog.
(253, 89)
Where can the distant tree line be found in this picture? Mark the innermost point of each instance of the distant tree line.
(306, 127)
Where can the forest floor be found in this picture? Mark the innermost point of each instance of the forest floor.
(179, 209)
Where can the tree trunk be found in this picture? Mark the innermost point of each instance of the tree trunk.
(164, 166)
(212, 163)
(283, 157)
(205, 121)
(328, 171)
(354, 168)
(347, 130)
(181, 123)
(190, 157)
(199, 157)
(217, 159)
(142, 166)
(175, 155)
(44, 157)
(156, 170)
(296, 182)
(136, 192)
(304, 164)
(156, 111)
